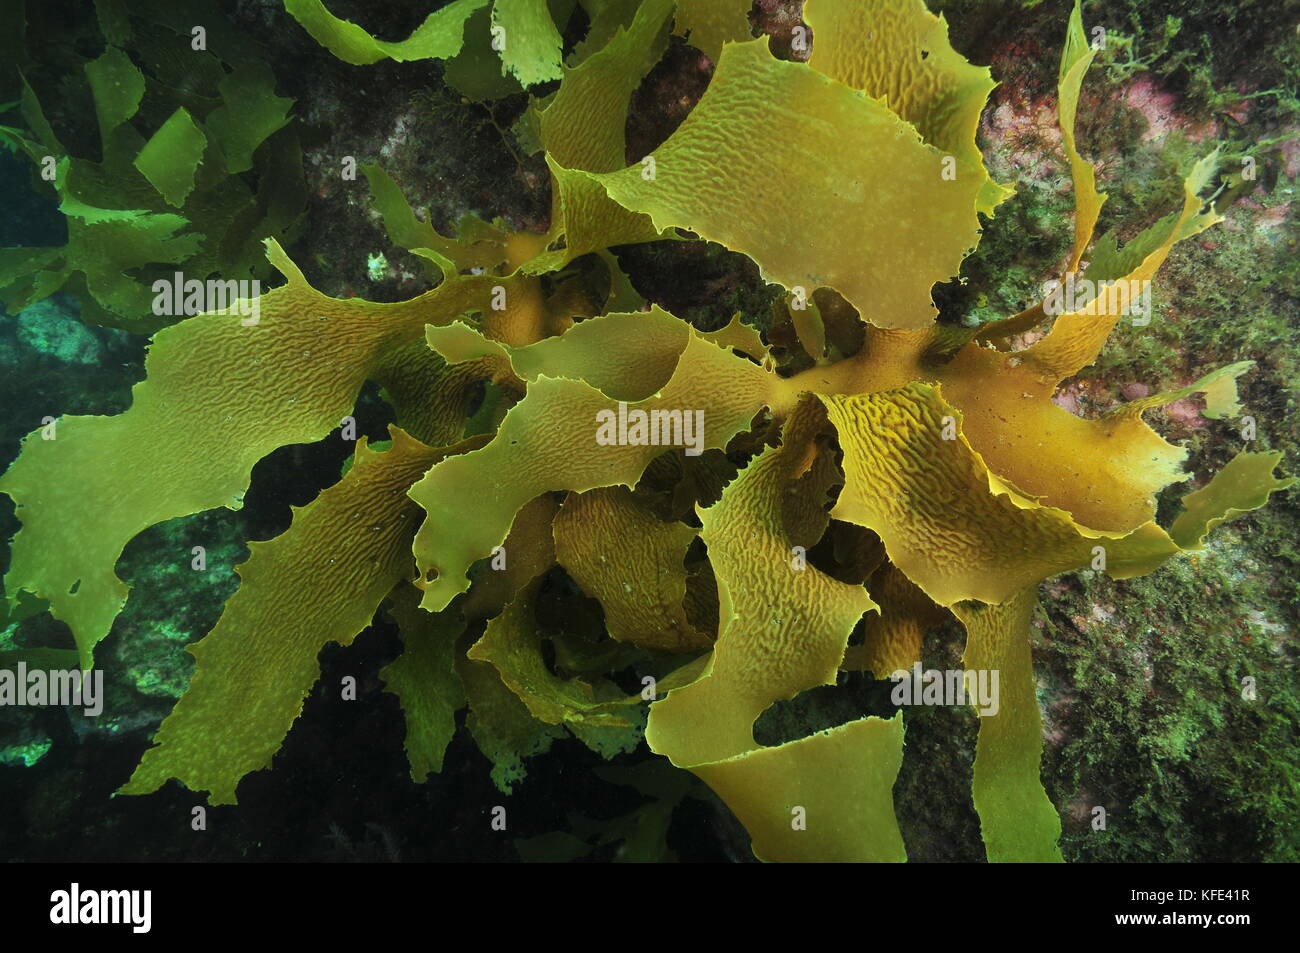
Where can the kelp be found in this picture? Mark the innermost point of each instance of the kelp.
(320, 581)
(547, 553)
(194, 164)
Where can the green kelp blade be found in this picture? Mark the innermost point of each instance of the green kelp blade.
(528, 39)
(219, 395)
(170, 159)
(439, 37)
(424, 679)
(117, 86)
(475, 72)
(249, 114)
(1245, 483)
(512, 644)
(1076, 57)
(320, 581)
(480, 246)
(1018, 821)
(501, 725)
(707, 24)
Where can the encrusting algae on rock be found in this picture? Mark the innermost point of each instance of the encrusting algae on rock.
(927, 474)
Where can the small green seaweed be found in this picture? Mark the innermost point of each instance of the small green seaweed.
(186, 173)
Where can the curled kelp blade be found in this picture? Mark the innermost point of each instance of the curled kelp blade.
(320, 581)
(957, 530)
(622, 554)
(824, 798)
(567, 435)
(783, 623)
(222, 390)
(946, 523)
(527, 553)
(784, 626)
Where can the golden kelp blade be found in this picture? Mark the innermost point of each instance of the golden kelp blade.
(1075, 464)
(1104, 472)
(621, 554)
(320, 581)
(897, 52)
(947, 524)
(219, 395)
(864, 205)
